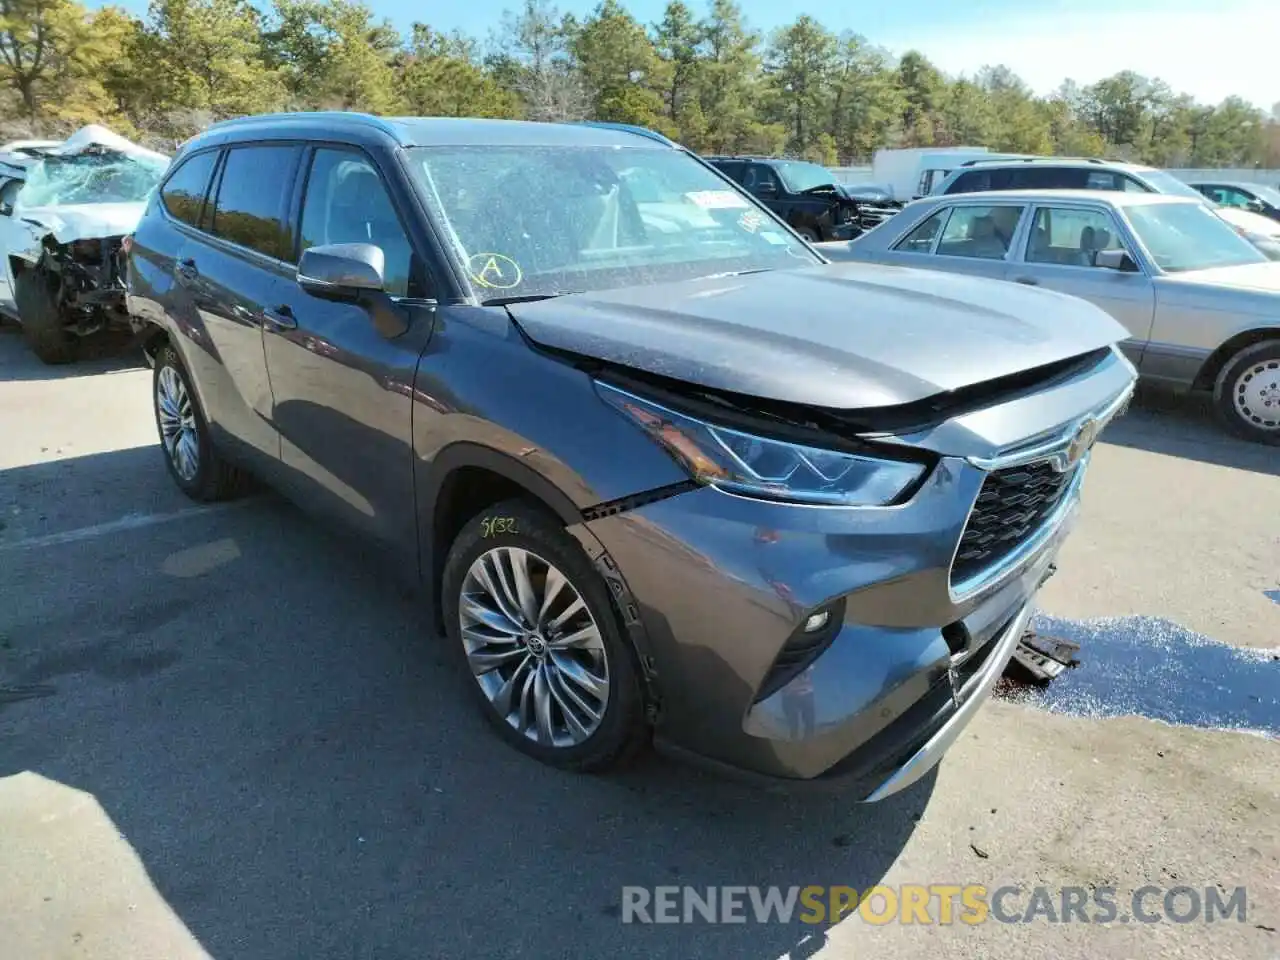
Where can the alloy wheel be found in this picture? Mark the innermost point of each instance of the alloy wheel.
(1257, 395)
(534, 647)
(177, 423)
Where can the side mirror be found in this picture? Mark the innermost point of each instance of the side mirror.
(766, 188)
(342, 271)
(1115, 260)
(1257, 206)
(6, 209)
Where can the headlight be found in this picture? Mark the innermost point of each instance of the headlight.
(761, 467)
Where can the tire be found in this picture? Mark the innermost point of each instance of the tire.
(198, 470)
(543, 672)
(809, 234)
(1247, 393)
(43, 326)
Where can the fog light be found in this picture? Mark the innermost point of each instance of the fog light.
(817, 621)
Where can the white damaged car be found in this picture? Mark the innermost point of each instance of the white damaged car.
(62, 233)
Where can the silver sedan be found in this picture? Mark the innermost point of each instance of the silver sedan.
(1201, 303)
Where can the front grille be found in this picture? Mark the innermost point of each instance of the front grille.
(1012, 505)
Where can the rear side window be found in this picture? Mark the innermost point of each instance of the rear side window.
(920, 240)
(974, 181)
(253, 192)
(732, 169)
(183, 193)
(1056, 178)
(984, 233)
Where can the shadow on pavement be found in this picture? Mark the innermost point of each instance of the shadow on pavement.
(1183, 425)
(98, 355)
(264, 715)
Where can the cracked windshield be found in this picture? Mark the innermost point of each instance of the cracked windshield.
(545, 221)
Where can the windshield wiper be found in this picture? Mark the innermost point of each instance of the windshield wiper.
(735, 273)
(521, 298)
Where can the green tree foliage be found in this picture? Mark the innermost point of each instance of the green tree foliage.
(702, 75)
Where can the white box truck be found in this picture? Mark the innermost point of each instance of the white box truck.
(913, 172)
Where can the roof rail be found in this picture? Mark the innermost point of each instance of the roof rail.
(638, 130)
(252, 119)
(984, 160)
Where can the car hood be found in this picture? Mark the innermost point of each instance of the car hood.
(1253, 223)
(844, 336)
(1259, 277)
(84, 221)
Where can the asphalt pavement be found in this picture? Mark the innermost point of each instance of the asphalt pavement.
(228, 732)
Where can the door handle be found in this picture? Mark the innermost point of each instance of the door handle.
(1027, 281)
(281, 318)
(187, 269)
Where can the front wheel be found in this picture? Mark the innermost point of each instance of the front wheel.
(809, 234)
(534, 624)
(191, 458)
(35, 294)
(1247, 393)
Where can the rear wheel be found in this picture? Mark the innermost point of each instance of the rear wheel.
(35, 294)
(1247, 393)
(191, 458)
(541, 641)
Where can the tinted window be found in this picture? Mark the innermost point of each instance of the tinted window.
(1071, 237)
(920, 240)
(347, 202)
(1055, 178)
(760, 180)
(1130, 185)
(972, 182)
(732, 168)
(183, 193)
(983, 232)
(253, 192)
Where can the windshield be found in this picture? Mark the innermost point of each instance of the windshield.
(1263, 192)
(541, 221)
(800, 176)
(98, 177)
(1169, 184)
(1187, 236)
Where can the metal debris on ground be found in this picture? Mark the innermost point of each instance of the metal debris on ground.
(1039, 658)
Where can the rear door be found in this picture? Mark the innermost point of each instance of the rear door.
(343, 391)
(1059, 252)
(232, 273)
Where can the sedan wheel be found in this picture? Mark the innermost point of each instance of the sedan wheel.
(534, 647)
(1248, 393)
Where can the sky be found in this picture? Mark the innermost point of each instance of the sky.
(1207, 48)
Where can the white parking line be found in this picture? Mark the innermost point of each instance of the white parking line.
(132, 521)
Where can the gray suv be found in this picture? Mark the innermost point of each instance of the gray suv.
(662, 470)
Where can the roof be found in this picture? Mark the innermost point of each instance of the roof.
(1218, 182)
(1116, 198)
(1089, 163)
(434, 131)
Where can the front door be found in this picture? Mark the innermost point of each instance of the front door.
(1059, 254)
(343, 391)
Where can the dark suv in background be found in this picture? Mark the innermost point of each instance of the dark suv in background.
(660, 467)
(808, 196)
